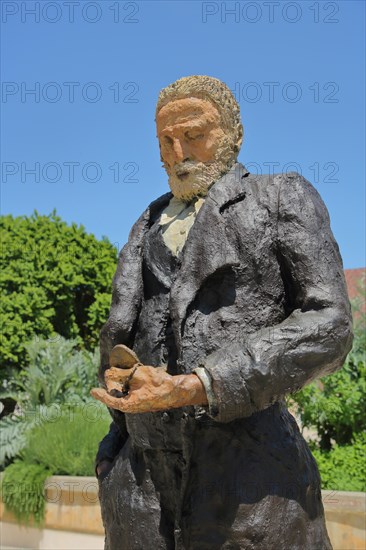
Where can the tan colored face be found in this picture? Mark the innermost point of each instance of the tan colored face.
(188, 129)
(194, 147)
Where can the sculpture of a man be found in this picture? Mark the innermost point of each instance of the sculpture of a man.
(233, 285)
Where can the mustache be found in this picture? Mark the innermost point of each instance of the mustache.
(187, 167)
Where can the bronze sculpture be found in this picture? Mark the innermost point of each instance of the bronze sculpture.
(231, 293)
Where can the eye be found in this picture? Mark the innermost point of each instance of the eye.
(194, 136)
(167, 141)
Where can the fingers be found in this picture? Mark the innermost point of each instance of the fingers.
(162, 369)
(102, 395)
(117, 375)
(121, 379)
(124, 404)
(133, 403)
(148, 389)
(112, 385)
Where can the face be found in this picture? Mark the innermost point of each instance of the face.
(195, 149)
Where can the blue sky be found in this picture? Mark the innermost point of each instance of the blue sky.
(96, 68)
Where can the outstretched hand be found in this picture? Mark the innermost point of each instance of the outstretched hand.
(150, 389)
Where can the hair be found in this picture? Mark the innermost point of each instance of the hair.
(210, 89)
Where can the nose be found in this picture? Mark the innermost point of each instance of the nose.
(179, 151)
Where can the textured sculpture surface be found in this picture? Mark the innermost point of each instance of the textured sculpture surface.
(247, 307)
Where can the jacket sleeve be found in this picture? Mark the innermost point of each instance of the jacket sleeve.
(316, 336)
(127, 290)
(110, 445)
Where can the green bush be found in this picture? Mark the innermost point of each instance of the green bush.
(67, 445)
(64, 444)
(55, 278)
(23, 491)
(344, 467)
(336, 405)
(57, 373)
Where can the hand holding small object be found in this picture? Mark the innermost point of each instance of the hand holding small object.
(136, 388)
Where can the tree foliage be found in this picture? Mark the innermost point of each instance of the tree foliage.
(55, 279)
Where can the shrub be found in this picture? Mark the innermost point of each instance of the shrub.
(344, 467)
(336, 405)
(55, 278)
(23, 491)
(64, 444)
(57, 373)
(67, 445)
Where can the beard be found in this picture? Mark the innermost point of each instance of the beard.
(190, 179)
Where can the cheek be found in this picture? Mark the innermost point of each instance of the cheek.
(208, 147)
(165, 152)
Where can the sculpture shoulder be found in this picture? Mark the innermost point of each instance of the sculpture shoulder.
(148, 216)
(280, 180)
(291, 191)
(297, 194)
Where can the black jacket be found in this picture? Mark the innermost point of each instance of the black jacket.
(260, 302)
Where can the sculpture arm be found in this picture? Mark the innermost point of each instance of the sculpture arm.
(127, 289)
(316, 336)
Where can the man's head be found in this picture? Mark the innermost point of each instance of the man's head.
(199, 132)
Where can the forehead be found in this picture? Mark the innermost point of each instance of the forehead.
(187, 111)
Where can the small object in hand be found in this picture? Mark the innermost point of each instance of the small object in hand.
(125, 386)
(122, 357)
